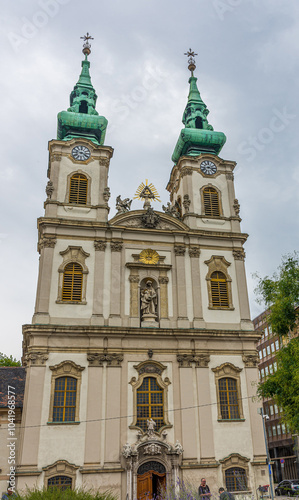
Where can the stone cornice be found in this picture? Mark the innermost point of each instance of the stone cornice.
(83, 224)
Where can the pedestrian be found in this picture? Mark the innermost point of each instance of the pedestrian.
(225, 495)
(9, 495)
(203, 490)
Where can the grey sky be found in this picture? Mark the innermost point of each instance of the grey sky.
(248, 72)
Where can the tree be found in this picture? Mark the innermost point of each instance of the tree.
(8, 360)
(281, 295)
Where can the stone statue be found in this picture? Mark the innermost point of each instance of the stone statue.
(151, 424)
(127, 450)
(148, 300)
(123, 206)
(172, 210)
(178, 448)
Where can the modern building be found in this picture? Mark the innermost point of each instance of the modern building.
(279, 437)
(141, 355)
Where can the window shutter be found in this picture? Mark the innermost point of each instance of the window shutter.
(78, 189)
(219, 290)
(211, 202)
(72, 282)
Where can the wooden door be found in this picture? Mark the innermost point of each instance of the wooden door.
(145, 486)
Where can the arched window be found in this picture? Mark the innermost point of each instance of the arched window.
(60, 482)
(64, 405)
(235, 479)
(198, 122)
(228, 398)
(211, 202)
(72, 282)
(83, 108)
(150, 403)
(219, 290)
(78, 189)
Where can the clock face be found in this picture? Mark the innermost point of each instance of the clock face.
(208, 167)
(149, 256)
(80, 153)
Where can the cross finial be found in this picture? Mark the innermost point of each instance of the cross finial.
(191, 61)
(86, 45)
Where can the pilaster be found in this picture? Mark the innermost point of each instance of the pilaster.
(98, 295)
(46, 247)
(182, 318)
(115, 301)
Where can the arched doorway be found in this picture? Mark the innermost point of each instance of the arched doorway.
(151, 479)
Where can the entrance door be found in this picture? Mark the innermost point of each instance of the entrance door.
(149, 485)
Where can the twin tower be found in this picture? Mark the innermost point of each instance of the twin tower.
(141, 358)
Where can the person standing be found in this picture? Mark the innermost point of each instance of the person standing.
(203, 490)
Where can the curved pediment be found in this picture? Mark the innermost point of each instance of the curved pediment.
(137, 219)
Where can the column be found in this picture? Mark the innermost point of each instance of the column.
(163, 281)
(97, 312)
(194, 253)
(115, 291)
(93, 438)
(46, 248)
(239, 256)
(182, 319)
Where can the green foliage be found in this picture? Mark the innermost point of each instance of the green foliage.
(283, 385)
(281, 295)
(68, 494)
(8, 360)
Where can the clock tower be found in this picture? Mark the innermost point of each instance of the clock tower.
(141, 357)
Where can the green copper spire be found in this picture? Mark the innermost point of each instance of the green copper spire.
(81, 119)
(198, 136)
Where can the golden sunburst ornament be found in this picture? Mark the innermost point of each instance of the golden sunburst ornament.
(149, 256)
(147, 192)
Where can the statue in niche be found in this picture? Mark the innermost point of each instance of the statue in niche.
(149, 301)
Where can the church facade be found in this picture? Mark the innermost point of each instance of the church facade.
(141, 356)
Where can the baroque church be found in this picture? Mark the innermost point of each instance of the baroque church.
(141, 357)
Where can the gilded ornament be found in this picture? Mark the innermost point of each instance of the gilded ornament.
(149, 256)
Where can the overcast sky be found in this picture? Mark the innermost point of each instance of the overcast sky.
(248, 76)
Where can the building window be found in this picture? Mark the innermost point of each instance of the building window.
(228, 395)
(275, 366)
(235, 479)
(271, 369)
(266, 370)
(271, 410)
(219, 290)
(264, 352)
(277, 345)
(150, 396)
(283, 428)
(262, 372)
(60, 482)
(219, 283)
(61, 475)
(278, 430)
(72, 282)
(268, 349)
(72, 276)
(64, 399)
(260, 354)
(150, 404)
(269, 432)
(228, 389)
(211, 202)
(274, 430)
(65, 392)
(78, 189)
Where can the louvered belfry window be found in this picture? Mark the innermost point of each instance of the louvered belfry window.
(72, 282)
(219, 290)
(64, 399)
(211, 202)
(78, 189)
(150, 403)
(228, 396)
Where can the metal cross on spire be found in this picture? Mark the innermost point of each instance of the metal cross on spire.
(191, 61)
(86, 45)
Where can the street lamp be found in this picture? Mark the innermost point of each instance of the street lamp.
(265, 417)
